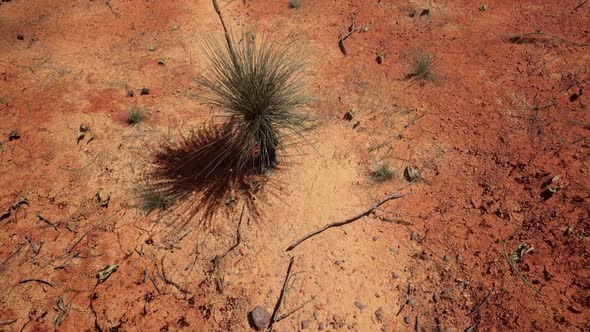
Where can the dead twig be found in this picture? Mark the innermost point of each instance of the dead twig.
(520, 38)
(34, 248)
(408, 299)
(274, 316)
(90, 230)
(45, 220)
(346, 221)
(153, 280)
(296, 309)
(170, 281)
(24, 281)
(10, 322)
(351, 29)
(108, 2)
(476, 309)
(580, 5)
(9, 257)
(238, 234)
(513, 266)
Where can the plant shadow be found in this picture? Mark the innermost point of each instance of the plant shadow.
(200, 173)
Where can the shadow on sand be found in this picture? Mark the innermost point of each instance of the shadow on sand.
(199, 172)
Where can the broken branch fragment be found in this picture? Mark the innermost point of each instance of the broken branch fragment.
(346, 221)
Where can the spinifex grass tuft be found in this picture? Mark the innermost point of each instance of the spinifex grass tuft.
(256, 81)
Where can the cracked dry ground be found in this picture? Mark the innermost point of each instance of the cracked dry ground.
(503, 115)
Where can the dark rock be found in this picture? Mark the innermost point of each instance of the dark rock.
(14, 135)
(20, 37)
(379, 314)
(407, 319)
(394, 275)
(145, 91)
(259, 318)
(348, 116)
(414, 236)
(161, 62)
(130, 93)
(425, 12)
(446, 258)
(375, 238)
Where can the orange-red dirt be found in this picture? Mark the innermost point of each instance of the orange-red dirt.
(499, 119)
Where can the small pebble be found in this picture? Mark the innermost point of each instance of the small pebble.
(459, 258)
(145, 91)
(394, 275)
(483, 8)
(320, 326)
(161, 62)
(360, 305)
(304, 324)
(130, 93)
(338, 262)
(20, 37)
(436, 297)
(446, 258)
(377, 295)
(375, 238)
(414, 236)
(407, 319)
(379, 314)
(392, 250)
(316, 315)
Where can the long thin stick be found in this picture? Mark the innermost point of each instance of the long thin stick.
(296, 309)
(580, 5)
(24, 281)
(230, 45)
(275, 312)
(344, 222)
(238, 234)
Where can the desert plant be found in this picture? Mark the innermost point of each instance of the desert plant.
(422, 67)
(294, 4)
(151, 199)
(381, 173)
(256, 81)
(135, 116)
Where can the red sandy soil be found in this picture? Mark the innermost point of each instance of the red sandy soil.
(493, 125)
